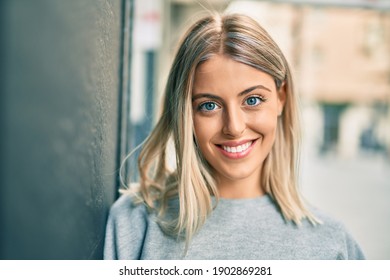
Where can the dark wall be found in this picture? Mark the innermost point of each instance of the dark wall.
(60, 64)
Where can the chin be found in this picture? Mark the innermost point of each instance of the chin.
(238, 176)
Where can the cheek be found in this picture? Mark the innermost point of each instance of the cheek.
(264, 122)
(205, 129)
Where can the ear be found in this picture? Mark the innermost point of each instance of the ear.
(282, 98)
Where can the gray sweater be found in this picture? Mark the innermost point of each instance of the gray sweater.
(237, 229)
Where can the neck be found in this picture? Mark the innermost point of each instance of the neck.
(242, 188)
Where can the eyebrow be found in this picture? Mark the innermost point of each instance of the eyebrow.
(244, 92)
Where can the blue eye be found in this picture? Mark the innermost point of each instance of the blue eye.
(253, 100)
(208, 106)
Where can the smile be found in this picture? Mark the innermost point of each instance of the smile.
(237, 150)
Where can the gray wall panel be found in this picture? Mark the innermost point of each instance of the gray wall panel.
(60, 89)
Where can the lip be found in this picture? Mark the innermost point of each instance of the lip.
(237, 155)
(236, 143)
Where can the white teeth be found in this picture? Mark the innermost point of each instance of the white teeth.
(237, 149)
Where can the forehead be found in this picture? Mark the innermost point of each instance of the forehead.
(221, 72)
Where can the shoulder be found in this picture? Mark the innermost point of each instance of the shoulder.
(327, 220)
(128, 214)
(126, 227)
(126, 205)
(334, 232)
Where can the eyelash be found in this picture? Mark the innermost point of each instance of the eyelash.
(202, 105)
(259, 99)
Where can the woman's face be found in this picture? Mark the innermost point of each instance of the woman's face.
(235, 111)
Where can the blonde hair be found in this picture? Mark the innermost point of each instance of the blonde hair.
(244, 40)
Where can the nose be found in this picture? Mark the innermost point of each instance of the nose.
(234, 123)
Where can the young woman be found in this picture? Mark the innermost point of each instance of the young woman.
(231, 112)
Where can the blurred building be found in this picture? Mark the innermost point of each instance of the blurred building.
(344, 67)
